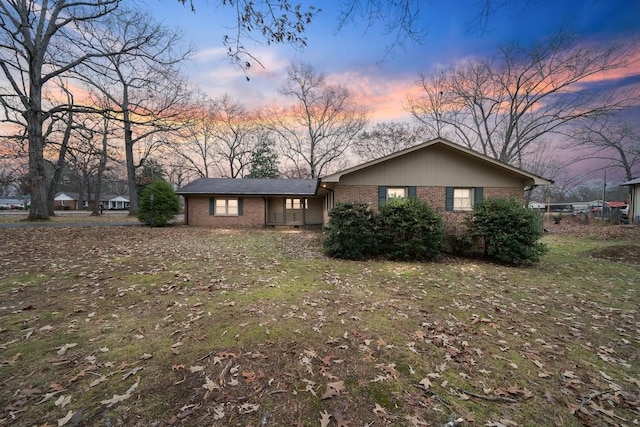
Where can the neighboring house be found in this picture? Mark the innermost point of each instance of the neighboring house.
(634, 205)
(71, 201)
(65, 200)
(12, 203)
(449, 177)
(115, 202)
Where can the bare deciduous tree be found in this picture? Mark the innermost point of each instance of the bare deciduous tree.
(400, 19)
(142, 83)
(234, 133)
(612, 141)
(196, 146)
(275, 21)
(38, 44)
(218, 138)
(386, 138)
(320, 126)
(505, 105)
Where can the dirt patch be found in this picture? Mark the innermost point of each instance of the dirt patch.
(571, 225)
(619, 253)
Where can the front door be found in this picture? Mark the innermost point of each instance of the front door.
(294, 210)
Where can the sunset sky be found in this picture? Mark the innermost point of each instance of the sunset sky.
(353, 56)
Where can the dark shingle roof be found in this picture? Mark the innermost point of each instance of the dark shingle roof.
(251, 187)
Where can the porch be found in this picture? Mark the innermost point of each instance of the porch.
(293, 212)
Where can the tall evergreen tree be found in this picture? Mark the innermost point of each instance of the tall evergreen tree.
(264, 159)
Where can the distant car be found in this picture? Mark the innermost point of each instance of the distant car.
(624, 214)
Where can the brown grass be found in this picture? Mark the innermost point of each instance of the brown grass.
(188, 326)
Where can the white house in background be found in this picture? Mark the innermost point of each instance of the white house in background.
(634, 205)
(12, 203)
(71, 201)
(117, 202)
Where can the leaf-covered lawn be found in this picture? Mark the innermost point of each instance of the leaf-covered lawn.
(131, 326)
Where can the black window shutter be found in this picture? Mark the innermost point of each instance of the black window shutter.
(212, 206)
(382, 196)
(412, 192)
(239, 207)
(478, 195)
(448, 199)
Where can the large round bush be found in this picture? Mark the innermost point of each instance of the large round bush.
(508, 230)
(159, 204)
(351, 231)
(410, 230)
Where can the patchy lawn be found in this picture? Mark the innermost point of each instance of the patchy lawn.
(70, 217)
(131, 326)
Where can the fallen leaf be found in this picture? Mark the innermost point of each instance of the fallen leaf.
(218, 412)
(249, 376)
(66, 418)
(425, 383)
(62, 350)
(62, 401)
(97, 381)
(248, 408)
(132, 372)
(325, 418)
(340, 419)
(117, 398)
(210, 386)
(333, 389)
(379, 410)
(309, 387)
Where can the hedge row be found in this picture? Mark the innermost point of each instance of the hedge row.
(408, 229)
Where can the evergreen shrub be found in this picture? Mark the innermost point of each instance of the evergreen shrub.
(164, 208)
(351, 232)
(410, 230)
(508, 231)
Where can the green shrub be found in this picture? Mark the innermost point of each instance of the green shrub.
(164, 206)
(351, 232)
(410, 230)
(508, 230)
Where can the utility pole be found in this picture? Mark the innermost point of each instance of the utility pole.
(604, 194)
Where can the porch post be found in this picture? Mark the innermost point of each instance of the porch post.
(304, 211)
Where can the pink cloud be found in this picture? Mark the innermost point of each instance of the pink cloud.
(383, 97)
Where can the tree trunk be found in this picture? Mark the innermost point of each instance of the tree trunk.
(131, 170)
(39, 209)
(57, 174)
(97, 209)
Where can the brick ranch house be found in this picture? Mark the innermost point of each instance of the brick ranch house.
(449, 177)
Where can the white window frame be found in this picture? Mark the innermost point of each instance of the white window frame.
(463, 199)
(295, 203)
(396, 193)
(225, 207)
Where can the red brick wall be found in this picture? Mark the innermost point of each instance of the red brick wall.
(504, 192)
(252, 214)
(434, 196)
(356, 193)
